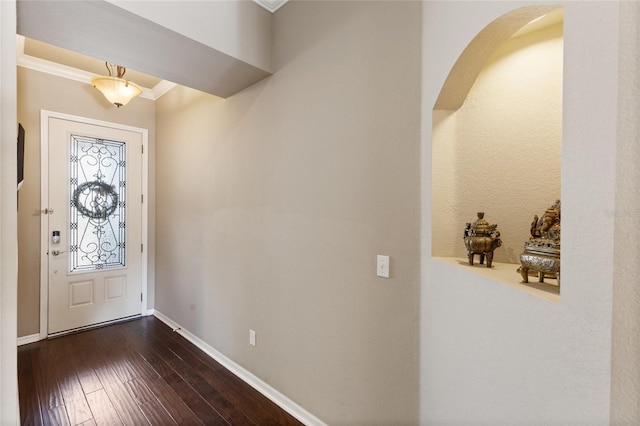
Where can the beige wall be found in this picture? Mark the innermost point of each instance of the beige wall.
(625, 381)
(273, 204)
(8, 219)
(36, 91)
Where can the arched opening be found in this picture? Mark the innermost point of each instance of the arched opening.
(497, 134)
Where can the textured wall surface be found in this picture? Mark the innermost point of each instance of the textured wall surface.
(273, 204)
(500, 152)
(505, 356)
(625, 387)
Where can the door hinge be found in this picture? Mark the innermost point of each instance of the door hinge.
(141, 248)
(142, 198)
(141, 297)
(142, 146)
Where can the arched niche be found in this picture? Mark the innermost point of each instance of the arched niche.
(474, 57)
(497, 134)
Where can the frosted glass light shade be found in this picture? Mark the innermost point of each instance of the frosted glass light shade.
(117, 90)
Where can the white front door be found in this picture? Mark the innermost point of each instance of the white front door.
(94, 213)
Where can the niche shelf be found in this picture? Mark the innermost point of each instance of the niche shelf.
(497, 141)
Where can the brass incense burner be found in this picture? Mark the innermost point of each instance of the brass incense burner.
(481, 238)
(542, 251)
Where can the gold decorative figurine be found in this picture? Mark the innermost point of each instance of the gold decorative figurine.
(481, 238)
(542, 251)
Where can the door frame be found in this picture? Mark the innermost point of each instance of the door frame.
(45, 115)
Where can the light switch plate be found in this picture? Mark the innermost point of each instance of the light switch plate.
(382, 269)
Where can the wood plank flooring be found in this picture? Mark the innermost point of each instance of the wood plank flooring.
(134, 373)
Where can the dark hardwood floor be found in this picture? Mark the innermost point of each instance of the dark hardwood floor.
(134, 373)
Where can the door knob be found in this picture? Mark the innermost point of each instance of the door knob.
(57, 252)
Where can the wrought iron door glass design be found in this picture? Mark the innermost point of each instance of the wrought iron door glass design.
(98, 208)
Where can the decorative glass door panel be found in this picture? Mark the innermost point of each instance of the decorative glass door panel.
(94, 221)
(97, 237)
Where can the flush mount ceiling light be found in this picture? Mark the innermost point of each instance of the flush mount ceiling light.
(117, 90)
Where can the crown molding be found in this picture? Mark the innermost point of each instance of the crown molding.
(70, 73)
(271, 5)
(161, 88)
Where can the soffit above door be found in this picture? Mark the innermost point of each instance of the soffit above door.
(105, 31)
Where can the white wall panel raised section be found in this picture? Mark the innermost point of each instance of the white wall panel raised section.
(115, 288)
(81, 293)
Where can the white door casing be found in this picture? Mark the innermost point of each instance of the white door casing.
(74, 294)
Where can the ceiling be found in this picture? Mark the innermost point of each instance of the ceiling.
(71, 59)
(103, 31)
(52, 59)
(55, 60)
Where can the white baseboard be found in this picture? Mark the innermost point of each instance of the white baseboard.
(25, 340)
(278, 398)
